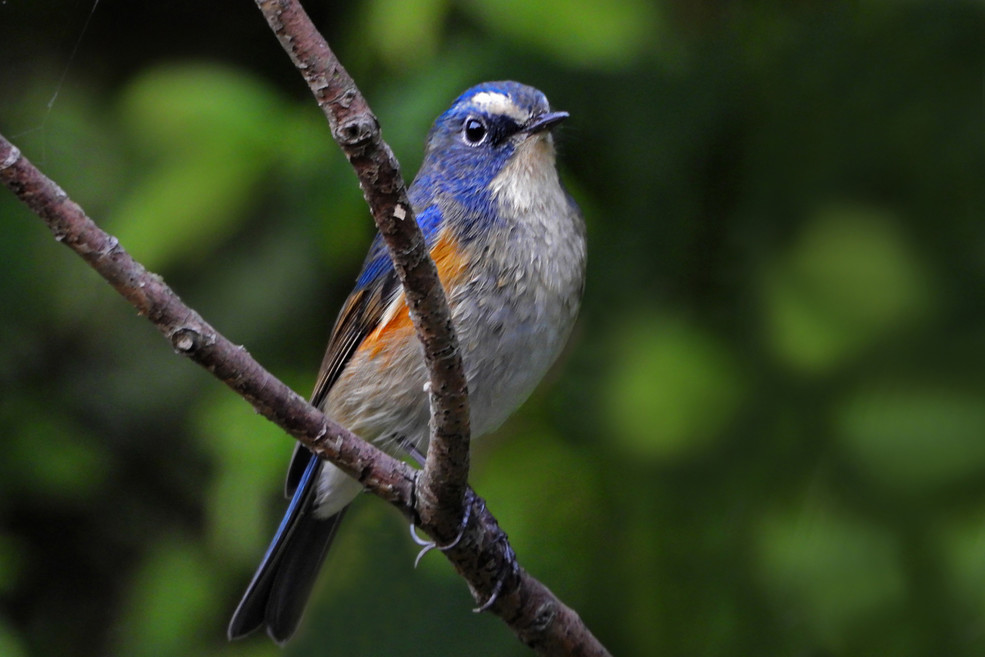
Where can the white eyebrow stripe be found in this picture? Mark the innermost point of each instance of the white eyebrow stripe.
(494, 102)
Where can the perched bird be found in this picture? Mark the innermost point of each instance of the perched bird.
(509, 245)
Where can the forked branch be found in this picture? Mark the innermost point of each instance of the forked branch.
(483, 556)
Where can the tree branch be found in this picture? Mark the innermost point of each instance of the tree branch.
(483, 557)
(444, 481)
(192, 336)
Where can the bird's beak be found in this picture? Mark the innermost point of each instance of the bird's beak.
(545, 121)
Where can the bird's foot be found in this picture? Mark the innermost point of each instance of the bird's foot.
(427, 546)
(511, 568)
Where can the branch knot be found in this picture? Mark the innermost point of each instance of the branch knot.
(13, 155)
(187, 340)
(544, 616)
(357, 131)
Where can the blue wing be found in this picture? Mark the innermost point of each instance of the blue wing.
(378, 264)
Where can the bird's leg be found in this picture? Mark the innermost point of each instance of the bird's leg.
(415, 454)
(426, 545)
(411, 450)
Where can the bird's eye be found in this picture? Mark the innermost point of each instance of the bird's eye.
(474, 131)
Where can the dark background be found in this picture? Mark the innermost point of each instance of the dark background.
(767, 437)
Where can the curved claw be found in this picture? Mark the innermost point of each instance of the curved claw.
(512, 566)
(417, 539)
(492, 597)
(427, 546)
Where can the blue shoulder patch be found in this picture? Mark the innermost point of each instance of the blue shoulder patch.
(378, 263)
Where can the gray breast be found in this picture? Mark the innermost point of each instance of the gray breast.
(517, 310)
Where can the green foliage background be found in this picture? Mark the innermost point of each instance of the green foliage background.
(768, 436)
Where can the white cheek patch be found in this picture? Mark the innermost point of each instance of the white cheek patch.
(493, 102)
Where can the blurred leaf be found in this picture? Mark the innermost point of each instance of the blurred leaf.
(849, 281)
(641, 615)
(828, 572)
(545, 495)
(55, 457)
(915, 436)
(213, 133)
(962, 545)
(173, 599)
(11, 644)
(405, 32)
(250, 456)
(674, 388)
(184, 210)
(186, 108)
(305, 146)
(589, 33)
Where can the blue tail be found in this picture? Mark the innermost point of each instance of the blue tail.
(280, 588)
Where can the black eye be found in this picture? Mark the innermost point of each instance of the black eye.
(474, 131)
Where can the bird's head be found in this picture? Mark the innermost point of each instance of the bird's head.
(490, 145)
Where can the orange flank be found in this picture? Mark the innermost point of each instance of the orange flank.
(395, 322)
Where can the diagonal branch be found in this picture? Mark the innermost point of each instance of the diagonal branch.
(192, 336)
(444, 480)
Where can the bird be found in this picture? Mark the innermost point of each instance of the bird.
(509, 244)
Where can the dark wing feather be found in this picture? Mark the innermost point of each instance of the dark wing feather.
(376, 287)
(277, 595)
(359, 317)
